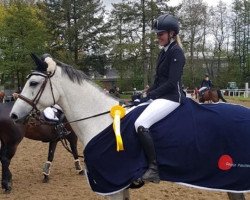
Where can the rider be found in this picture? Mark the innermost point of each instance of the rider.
(166, 93)
(206, 84)
(115, 91)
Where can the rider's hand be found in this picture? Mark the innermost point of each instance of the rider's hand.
(141, 100)
(144, 99)
(136, 102)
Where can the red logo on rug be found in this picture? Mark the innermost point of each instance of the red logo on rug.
(225, 162)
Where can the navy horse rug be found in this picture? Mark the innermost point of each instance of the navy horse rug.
(202, 145)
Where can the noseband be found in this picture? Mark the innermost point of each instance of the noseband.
(34, 102)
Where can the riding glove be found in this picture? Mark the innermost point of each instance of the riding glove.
(141, 100)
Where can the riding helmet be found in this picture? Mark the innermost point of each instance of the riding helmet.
(166, 22)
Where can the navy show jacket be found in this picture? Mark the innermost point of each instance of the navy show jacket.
(169, 70)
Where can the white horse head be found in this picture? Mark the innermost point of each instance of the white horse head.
(37, 92)
(54, 82)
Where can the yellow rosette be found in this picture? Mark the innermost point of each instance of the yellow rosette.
(118, 112)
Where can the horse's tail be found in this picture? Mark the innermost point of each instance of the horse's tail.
(221, 96)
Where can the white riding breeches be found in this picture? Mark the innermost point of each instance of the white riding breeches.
(157, 110)
(202, 88)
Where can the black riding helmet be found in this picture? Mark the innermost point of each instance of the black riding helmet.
(166, 23)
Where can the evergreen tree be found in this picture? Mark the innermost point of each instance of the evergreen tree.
(77, 27)
(192, 20)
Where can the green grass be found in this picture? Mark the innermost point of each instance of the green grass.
(240, 98)
(125, 96)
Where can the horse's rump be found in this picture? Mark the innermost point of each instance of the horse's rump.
(211, 95)
(190, 143)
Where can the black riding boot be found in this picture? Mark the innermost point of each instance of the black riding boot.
(152, 174)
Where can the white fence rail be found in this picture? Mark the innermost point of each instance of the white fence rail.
(237, 92)
(228, 92)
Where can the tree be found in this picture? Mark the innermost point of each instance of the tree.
(220, 32)
(77, 27)
(240, 26)
(134, 40)
(21, 33)
(51, 13)
(192, 20)
(126, 42)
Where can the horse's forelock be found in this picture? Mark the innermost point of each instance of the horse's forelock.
(51, 64)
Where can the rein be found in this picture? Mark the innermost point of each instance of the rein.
(85, 118)
(66, 146)
(93, 116)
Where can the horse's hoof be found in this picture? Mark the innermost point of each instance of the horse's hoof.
(81, 172)
(7, 191)
(45, 179)
(137, 184)
(78, 166)
(7, 187)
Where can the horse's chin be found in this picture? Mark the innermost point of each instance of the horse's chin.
(20, 120)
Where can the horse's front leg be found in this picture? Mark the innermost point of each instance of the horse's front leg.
(72, 138)
(6, 155)
(47, 165)
(122, 195)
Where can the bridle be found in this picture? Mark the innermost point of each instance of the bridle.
(34, 102)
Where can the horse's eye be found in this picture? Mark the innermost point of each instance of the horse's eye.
(33, 83)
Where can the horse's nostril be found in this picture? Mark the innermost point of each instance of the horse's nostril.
(13, 116)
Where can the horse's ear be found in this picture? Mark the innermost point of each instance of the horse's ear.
(40, 65)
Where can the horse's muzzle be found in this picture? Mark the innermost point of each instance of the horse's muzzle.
(16, 119)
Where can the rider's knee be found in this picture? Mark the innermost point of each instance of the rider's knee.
(140, 129)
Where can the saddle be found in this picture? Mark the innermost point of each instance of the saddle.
(55, 117)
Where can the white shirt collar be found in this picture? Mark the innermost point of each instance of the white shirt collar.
(166, 47)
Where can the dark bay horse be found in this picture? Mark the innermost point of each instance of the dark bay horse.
(211, 95)
(11, 135)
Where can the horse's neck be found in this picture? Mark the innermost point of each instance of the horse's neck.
(80, 101)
